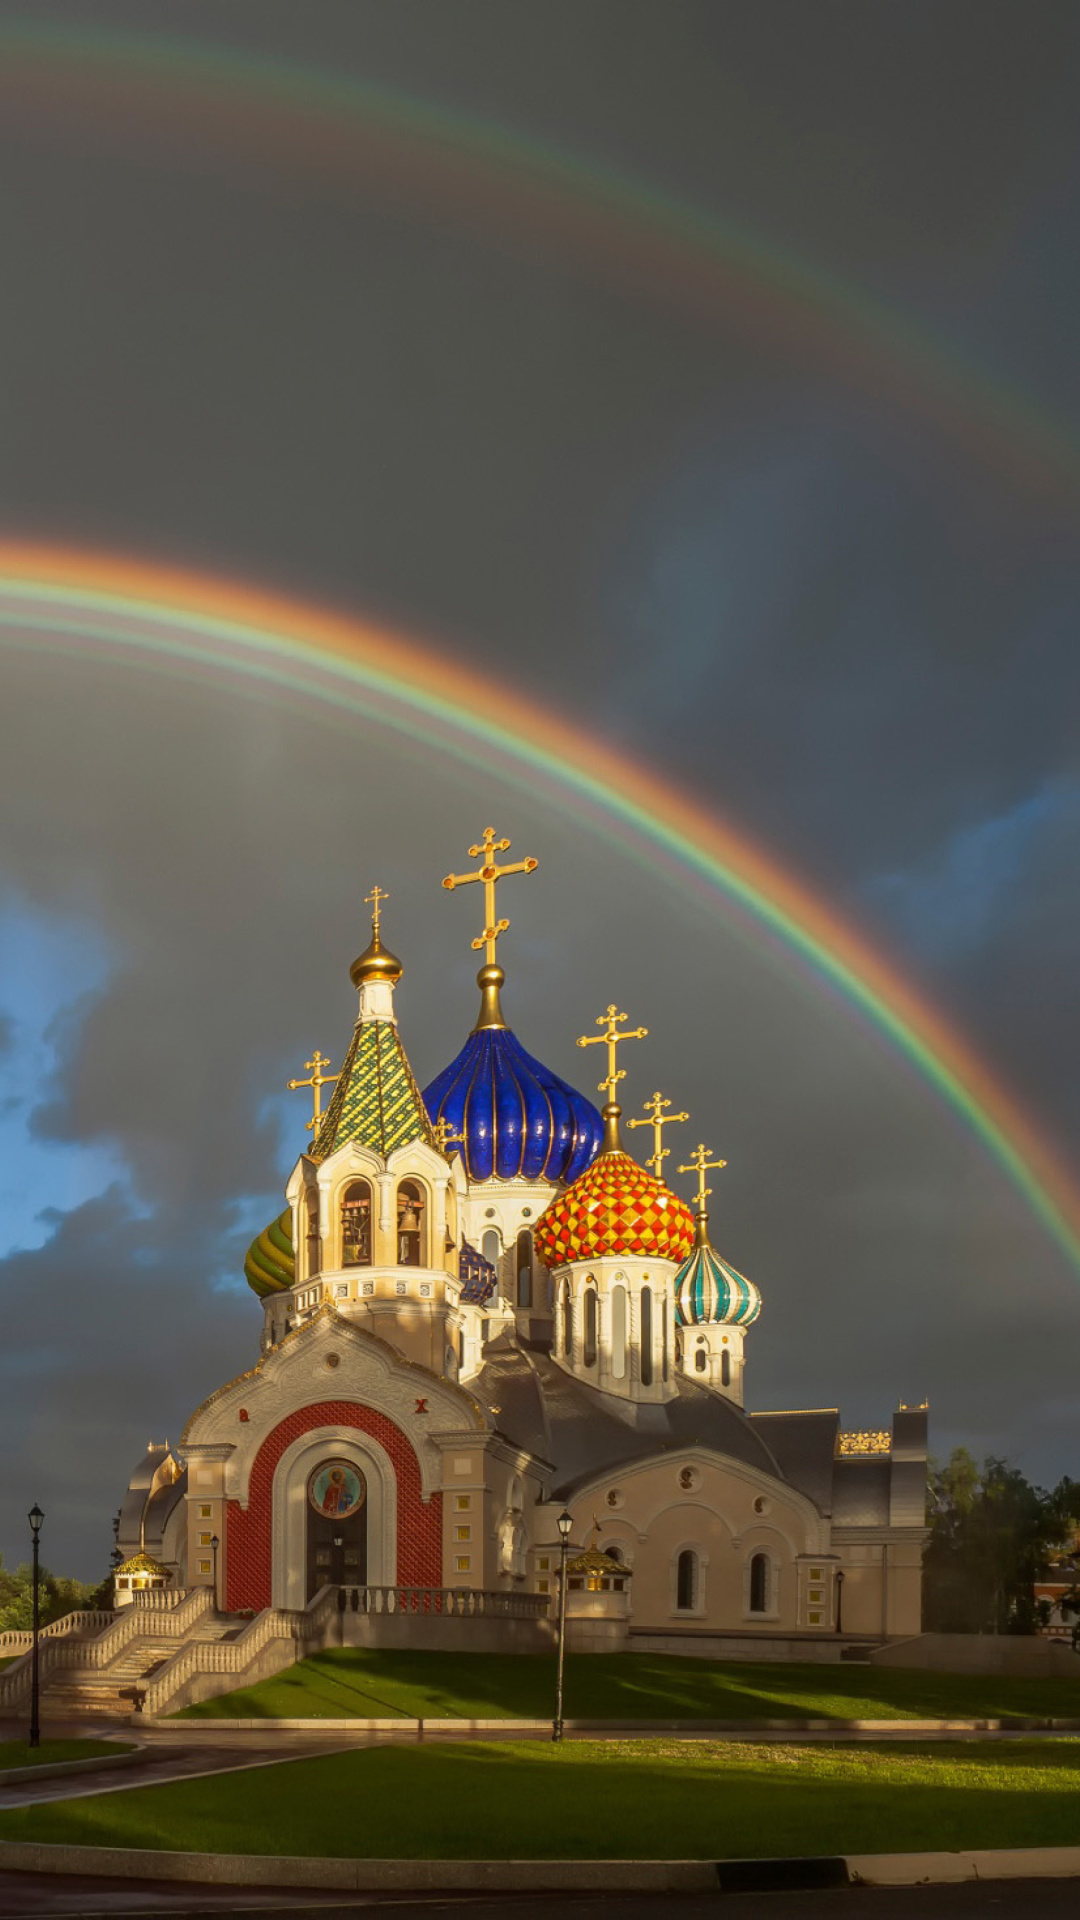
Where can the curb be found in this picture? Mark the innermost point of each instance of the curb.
(404, 1723)
(56, 1769)
(556, 1876)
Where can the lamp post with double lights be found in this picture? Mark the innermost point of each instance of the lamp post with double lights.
(35, 1517)
(564, 1524)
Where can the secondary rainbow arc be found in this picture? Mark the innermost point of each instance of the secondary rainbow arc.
(278, 114)
(107, 607)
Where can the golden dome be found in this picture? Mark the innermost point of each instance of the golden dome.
(376, 963)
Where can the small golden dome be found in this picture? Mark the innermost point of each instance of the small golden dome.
(376, 963)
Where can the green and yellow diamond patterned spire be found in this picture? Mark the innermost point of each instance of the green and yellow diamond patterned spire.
(376, 1101)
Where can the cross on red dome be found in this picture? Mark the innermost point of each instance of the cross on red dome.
(614, 1208)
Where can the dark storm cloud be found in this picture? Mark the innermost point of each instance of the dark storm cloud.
(833, 616)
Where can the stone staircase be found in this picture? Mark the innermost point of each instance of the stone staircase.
(119, 1686)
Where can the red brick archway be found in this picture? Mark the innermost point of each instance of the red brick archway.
(248, 1534)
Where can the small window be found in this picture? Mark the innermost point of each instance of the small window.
(664, 1338)
(205, 1512)
(646, 1337)
(701, 1359)
(204, 1566)
(686, 1581)
(760, 1583)
(590, 1326)
(524, 1268)
(544, 1563)
(462, 1533)
(463, 1501)
(725, 1368)
(462, 1564)
(568, 1323)
(491, 1246)
(356, 1225)
(204, 1539)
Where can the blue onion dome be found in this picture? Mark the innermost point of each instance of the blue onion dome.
(514, 1117)
(708, 1291)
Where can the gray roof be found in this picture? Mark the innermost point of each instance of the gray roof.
(861, 1496)
(805, 1446)
(579, 1432)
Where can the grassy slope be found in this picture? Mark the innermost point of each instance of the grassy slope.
(352, 1681)
(16, 1753)
(644, 1800)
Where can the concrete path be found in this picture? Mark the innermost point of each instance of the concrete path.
(30, 1896)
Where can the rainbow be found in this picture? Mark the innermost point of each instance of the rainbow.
(111, 608)
(201, 104)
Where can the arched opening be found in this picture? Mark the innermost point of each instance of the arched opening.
(524, 1268)
(491, 1247)
(646, 1337)
(314, 1255)
(567, 1322)
(356, 1225)
(591, 1321)
(618, 1333)
(725, 1367)
(760, 1583)
(686, 1581)
(410, 1232)
(664, 1338)
(701, 1359)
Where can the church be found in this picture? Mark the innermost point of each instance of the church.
(482, 1311)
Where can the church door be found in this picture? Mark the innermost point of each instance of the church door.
(336, 1527)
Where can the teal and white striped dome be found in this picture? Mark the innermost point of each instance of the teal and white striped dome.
(708, 1291)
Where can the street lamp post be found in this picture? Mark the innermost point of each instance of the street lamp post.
(214, 1545)
(564, 1524)
(35, 1517)
(839, 1600)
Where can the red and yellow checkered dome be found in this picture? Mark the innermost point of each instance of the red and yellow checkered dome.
(614, 1208)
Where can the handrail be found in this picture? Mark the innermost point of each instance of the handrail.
(131, 1623)
(84, 1621)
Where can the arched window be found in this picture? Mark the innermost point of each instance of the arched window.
(314, 1261)
(491, 1246)
(356, 1225)
(701, 1359)
(618, 1333)
(590, 1326)
(686, 1581)
(725, 1367)
(646, 1337)
(567, 1323)
(664, 1338)
(524, 1268)
(760, 1583)
(410, 1214)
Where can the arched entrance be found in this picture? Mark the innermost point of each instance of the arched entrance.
(336, 1526)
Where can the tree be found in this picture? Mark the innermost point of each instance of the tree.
(58, 1595)
(991, 1534)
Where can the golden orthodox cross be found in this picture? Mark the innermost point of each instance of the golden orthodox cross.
(657, 1119)
(490, 873)
(317, 1082)
(698, 1165)
(443, 1136)
(611, 1038)
(372, 900)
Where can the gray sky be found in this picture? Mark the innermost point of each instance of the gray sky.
(831, 587)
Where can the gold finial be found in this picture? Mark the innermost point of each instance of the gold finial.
(611, 1038)
(317, 1082)
(372, 900)
(443, 1136)
(698, 1165)
(376, 962)
(490, 873)
(657, 1119)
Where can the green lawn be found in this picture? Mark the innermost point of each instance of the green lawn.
(370, 1684)
(656, 1799)
(16, 1753)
